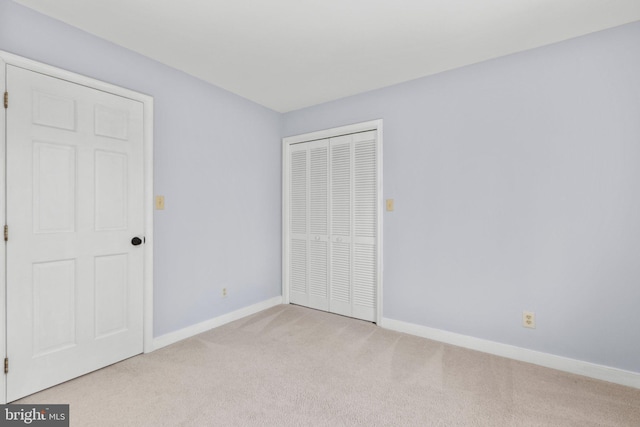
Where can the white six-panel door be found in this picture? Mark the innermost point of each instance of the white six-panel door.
(74, 203)
(332, 224)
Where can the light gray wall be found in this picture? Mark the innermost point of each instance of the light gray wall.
(217, 161)
(517, 187)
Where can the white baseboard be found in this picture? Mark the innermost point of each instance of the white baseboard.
(574, 366)
(198, 328)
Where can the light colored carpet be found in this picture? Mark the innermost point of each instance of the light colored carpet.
(292, 366)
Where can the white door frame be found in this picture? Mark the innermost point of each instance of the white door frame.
(324, 134)
(147, 101)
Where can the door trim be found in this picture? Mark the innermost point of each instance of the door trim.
(324, 134)
(3, 221)
(7, 58)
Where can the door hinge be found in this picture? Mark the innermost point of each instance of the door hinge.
(6, 100)
(6, 365)
(6, 233)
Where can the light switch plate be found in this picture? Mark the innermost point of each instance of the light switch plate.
(159, 203)
(389, 205)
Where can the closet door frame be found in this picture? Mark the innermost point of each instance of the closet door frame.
(374, 125)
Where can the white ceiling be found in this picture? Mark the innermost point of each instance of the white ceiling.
(290, 54)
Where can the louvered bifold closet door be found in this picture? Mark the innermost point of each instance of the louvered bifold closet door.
(319, 224)
(309, 224)
(333, 224)
(298, 224)
(365, 197)
(341, 158)
(354, 222)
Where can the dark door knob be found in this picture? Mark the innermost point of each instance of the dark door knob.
(136, 241)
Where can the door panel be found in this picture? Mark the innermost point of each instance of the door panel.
(74, 201)
(341, 186)
(365, 195)
(110, 294)
(54, 188)
(341, 225)
(298, 257)
(111, 187)
(54, 302)
(318, 271)
(53, 110)
(309, 225)
(318, 236)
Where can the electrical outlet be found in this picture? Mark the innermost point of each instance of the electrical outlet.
(529, 319)
(224, 292)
